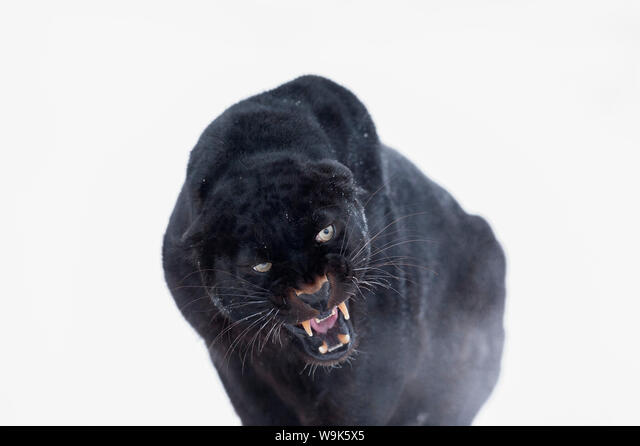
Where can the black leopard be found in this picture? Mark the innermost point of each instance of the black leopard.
(332, 282)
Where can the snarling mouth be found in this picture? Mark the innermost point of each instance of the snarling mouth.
(328, 337)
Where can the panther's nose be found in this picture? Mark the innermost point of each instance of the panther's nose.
(311, 288)
(315, 294)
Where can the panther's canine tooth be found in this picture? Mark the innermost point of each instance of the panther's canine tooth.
(307, 327)
(343, 308)
(344, 338)
(323, 348)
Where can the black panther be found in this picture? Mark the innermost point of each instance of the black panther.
(332, 282)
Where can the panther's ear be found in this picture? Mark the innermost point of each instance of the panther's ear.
(334, 171)
(339, 176)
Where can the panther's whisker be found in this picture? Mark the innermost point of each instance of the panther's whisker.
(246, 295)
(255, 336)
(234, 276)
(383, 186)
(426, 268)
(233, 288)
(266, 339)
(193, 301)
(387, 286)
(379, 233)
(235, 323)
(244, 304)
(394, 244)
(239, 338)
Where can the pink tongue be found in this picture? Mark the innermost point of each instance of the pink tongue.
(325, 325)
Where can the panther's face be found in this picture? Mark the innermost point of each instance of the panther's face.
(280, 244)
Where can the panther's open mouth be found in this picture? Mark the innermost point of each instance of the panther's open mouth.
(329, 337)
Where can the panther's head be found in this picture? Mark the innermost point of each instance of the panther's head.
(281, 242)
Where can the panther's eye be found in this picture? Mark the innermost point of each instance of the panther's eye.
(262, 267)
(326, 234)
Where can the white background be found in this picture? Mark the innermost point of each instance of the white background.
(528, 112)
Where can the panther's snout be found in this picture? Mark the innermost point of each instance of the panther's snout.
(319, 296)
(324, 332)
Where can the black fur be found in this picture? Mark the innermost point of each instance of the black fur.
(424, 281)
